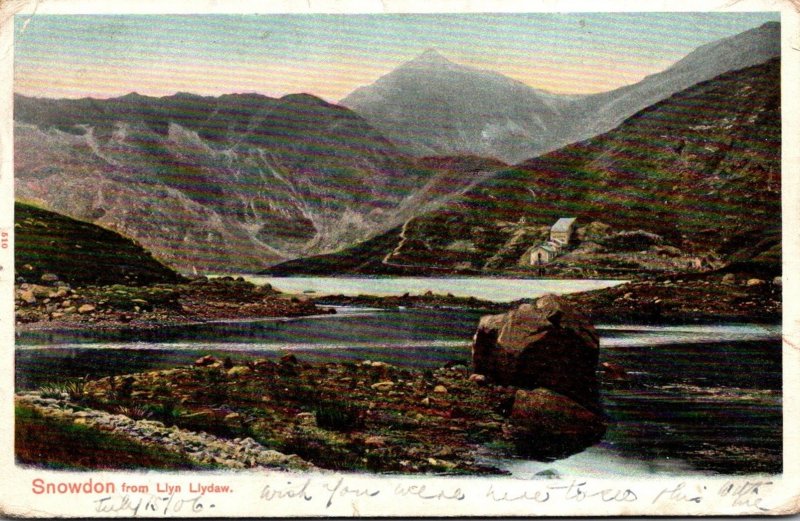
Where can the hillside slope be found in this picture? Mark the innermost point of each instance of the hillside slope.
(700, 169)
(79, 253)
(602, 112)
(232, 183)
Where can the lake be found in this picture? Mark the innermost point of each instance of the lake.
(497, 290)
(705, 399)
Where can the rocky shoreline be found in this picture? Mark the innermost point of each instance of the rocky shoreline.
(710, 297)
(713, 297)
(200, 447)
(516, 400)
(427, 300)
(53, 304)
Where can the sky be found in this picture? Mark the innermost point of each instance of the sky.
(73, 56)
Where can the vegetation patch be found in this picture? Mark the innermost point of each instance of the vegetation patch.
(52, 443)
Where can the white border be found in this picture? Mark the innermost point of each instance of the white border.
(781, 497)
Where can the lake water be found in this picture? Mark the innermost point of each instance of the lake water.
(704, 398)
(497, 290)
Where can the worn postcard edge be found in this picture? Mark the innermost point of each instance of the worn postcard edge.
(389, 495)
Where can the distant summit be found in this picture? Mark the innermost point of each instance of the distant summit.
(433, 106)
(430, 57)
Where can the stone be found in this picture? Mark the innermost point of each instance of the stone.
(755, 282)
(477, 378)
(233, 417)
(49, 277)
(59, 293)
(547, 425)
(614, 372)
(239, 370)
(777, 281)
(288, 359)
(86, 308)
(307, 418)
(382, 386)
(40, 291)
(375, 441)
(27, 296)
(205, 361)
(440, 389)
(546, 344)
(729, 279)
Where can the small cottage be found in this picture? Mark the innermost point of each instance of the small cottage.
(562, 230)
(543, 254)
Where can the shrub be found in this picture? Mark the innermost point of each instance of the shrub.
(134, 412)
(337, 415)
(52, 391)
(165, 412)
(72, 389)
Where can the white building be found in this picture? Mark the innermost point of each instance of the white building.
(562, 230)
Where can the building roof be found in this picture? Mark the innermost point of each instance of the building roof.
(546, 247)
(563, 224)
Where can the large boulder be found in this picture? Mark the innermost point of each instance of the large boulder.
(546, 344)
(547, 425)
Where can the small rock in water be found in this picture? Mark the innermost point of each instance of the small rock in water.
(614, 371)
(288, 359)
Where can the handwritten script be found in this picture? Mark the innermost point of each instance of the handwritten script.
(130, 505)
(747, 495)
(332, 493)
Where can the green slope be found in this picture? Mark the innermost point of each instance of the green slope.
(701, 169)
(79, 253)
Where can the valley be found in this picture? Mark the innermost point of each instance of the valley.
(449, 272)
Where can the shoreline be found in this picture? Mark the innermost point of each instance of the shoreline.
(681, 299)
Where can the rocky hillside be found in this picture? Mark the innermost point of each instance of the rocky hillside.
(431, 105)
(229, 183)
(602, 112)
(694, 178)
(60, 248)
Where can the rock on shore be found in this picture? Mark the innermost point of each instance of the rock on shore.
(550, 352)
(546, 344)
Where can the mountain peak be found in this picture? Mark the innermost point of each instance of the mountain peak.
(431, 57)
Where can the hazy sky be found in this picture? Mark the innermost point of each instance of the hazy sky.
(331, 55)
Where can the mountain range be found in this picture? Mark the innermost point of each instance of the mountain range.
(235, 182)
(701, 169)
(432, 106)
(243, 181)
